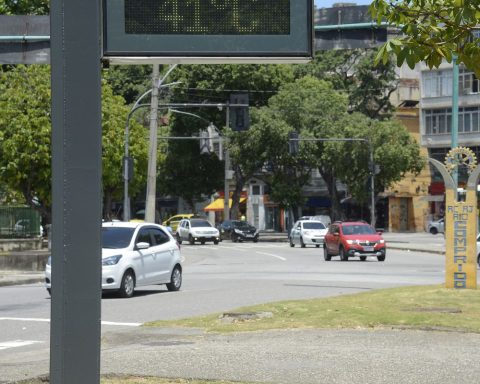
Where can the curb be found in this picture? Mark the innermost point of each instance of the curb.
(32, 280)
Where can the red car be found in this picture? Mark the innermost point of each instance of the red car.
(353, 239)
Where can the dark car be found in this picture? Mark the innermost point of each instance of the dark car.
(237, 230)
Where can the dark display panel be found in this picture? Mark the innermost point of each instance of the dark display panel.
(207, 17)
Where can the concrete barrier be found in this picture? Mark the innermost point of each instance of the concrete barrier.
(15, 245)
(24, 261)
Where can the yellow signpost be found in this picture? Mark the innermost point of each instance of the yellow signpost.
(460, 220)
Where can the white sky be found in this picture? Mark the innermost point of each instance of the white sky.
(328, 3)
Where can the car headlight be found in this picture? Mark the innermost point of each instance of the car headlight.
(49, 260)
(111, 260)
(350, 241)
(381, 241)
(238, 231)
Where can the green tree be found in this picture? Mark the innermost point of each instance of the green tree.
(314, 109)
(24, 7)
(129, 81)
(25, 137)
(215, 83)
(432, 30)
(367, 85)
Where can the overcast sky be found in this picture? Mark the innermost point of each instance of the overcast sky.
(328, 3)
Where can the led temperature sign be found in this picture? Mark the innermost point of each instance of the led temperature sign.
(209, 30)
(208, 17)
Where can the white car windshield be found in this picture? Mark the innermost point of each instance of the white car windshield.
(116, 237)
(313, 225)
(200, 223)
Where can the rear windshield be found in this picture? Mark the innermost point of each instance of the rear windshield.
(313, 225)
(115, 237)
(358, 230)
(200, 223)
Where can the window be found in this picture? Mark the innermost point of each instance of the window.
(437, 83)
(143, 236)
(439, 121)
(159, 236)
(256, 190)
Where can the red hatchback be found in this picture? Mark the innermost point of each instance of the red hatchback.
(353, 239)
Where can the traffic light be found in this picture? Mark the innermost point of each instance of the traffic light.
(239, 116)
(293, 143)
(204, 142)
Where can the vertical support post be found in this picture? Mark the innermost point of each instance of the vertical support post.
(372, 186)
(152, 153)
(126, 178)
(76, 192)
(226, 187)
(455, 113)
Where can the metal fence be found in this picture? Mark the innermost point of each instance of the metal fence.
(19, 222)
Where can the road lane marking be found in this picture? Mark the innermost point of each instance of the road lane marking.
(17, 343)
(271, 254)
(32, 319)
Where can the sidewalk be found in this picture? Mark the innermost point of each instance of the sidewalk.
(410, 242)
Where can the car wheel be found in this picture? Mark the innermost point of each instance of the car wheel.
(433, 231)
(175, 280)
(291, 243)
(190, 240)
(381, 258)
(302, 244)
(255, 239)
(128, 284)
(317, 245)
(363, 258)
(326, 255)
(179, 239)
(343, 255)
(215, 242)
(234, 238)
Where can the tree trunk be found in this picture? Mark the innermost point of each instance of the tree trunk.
(237, 194)
(329, 178)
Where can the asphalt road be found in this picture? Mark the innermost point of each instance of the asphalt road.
(221, 278)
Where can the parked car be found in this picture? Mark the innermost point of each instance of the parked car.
(307, 232)
(353, 239)
(173, 221)
(134, 255)
(194, 229)
(436, 226)
(237, 230)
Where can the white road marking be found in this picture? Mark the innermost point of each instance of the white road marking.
(48, 320)
(16, 343)
(271, 254)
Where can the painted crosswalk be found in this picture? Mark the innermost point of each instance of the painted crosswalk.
(16, 343)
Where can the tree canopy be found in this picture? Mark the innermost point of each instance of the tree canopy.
(25, 137)
(432, 30)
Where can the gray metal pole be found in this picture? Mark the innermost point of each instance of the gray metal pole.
(126, 176)
(76, 192)
(372, 186)
(226, 187)
(152, 153)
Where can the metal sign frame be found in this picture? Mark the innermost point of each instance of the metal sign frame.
(120, 47)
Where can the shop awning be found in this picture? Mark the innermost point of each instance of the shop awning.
(217, 205)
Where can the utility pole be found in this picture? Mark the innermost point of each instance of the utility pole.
(152, 151)
(226, 187)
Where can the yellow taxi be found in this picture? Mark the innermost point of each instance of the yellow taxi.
(173, 221)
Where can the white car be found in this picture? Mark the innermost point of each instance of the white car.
(193, 229)
(136, 254)
(437, 226)
(308, 232)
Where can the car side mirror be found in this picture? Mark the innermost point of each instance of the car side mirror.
(143, 245)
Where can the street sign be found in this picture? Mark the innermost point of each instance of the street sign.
(208, 31)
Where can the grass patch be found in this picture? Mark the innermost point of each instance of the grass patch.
(127, 379)
(422, 307)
